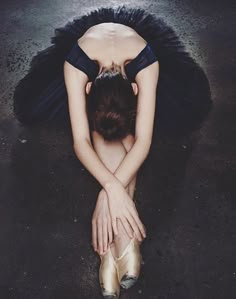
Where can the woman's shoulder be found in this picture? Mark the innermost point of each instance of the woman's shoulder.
(103, 51)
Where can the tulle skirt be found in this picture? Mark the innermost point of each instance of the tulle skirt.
(183, 98)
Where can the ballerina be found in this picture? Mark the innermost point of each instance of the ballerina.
(116, 75)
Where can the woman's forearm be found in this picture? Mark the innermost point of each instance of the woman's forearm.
(89, 158)
(123, 174)
(132, 162)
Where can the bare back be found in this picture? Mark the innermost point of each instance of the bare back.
(107, 42)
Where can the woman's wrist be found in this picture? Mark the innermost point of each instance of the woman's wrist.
(111, 186)
(102, 195)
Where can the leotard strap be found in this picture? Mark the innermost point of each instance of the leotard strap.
(142, 60)
(79, 59)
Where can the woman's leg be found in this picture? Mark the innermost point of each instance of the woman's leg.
(112, 154)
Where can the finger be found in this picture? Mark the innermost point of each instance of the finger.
(135, 227)
(110, 236)
(105, 235)
(94, 235)
(140, 225)
(114, 226)
(100, 239)
(127, 227)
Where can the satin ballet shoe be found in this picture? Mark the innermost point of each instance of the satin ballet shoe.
(108, 279)
(128, 264)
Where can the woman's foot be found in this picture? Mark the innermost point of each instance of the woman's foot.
(108, 278)
(126, 253)
(120, 241)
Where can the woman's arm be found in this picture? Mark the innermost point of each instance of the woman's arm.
(147, 84)
(75, 81)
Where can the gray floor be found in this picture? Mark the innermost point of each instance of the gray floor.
(185, 191)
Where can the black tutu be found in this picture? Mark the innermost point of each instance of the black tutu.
(183, 93)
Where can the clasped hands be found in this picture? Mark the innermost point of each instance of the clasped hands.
(111, 205)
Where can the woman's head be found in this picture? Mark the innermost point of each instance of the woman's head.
(111, 104)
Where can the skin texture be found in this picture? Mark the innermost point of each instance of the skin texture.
(107, 42)
(115, 182)
(111, 153)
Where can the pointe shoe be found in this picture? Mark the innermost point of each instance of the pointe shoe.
(128, 264)
(108, 279)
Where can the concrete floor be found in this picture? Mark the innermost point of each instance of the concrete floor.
(185, 190)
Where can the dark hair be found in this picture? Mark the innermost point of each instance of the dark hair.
(111, 104)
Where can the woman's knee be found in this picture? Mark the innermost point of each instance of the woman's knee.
(128, 142)
(110, 152)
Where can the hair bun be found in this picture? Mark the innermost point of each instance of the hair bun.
(110, 124)
(111, 105)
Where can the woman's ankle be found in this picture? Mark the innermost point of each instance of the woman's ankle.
(120, 241)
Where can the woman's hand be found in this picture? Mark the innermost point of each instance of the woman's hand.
(101, 224)
(123, 207)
